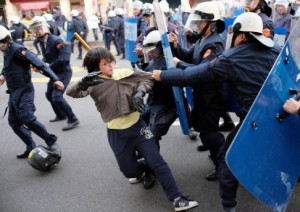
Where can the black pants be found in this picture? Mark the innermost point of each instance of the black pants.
(139, 137)
(228, 184)
(207, 123)
(60, 106)
(22, 120)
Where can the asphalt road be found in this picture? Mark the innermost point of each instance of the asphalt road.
(88, 178)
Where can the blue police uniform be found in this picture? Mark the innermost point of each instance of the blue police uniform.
(209, 98)
(17, 73)
(59, 62)
(18, 33)
(160, 111)
(79, 26)
(120, 35)
(141, 24)
(246, 76)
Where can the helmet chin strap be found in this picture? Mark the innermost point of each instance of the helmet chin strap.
(204, 30)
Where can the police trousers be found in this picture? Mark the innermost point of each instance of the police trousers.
(228, 184)
(21, 117)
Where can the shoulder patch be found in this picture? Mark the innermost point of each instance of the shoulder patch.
(59, 45)
(23, 53)
(207, 53)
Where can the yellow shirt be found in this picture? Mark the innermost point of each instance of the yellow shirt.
(127, 120)
(124, 121)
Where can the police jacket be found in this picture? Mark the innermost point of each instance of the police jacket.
(245, 67)
(17, 70)
(160, 94)
(18, 33)
(53, 28)
(141, 24)
(113, 25)
(208, 95)
(79, 26)
(196, 54)
(57, 54)
(58, 19)
(113, 98)
(120, 30)
(267, 23)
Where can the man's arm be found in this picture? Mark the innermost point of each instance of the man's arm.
(63, 58)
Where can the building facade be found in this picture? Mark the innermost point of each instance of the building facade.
(27, 9)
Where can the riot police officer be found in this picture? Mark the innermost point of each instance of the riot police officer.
(18, 30)
(57, 54)
(245, 65)
(209, 100)
(160, 110)
(17, 74)
(80, 26)
(120, 32)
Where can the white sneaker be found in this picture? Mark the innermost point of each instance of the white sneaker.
(136, 179)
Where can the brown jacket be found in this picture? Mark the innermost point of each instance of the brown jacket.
(113, 98)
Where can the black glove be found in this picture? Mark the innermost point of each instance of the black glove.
(90, 80)
(138, 101)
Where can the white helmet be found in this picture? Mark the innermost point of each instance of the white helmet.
(111, 13)
(15, 20)
(137, 5)
(284, 3)
(148, 9)
(5, 35)
(39, 24)
(252, 23)
(206, 11)
(119, 11)
(48, 17)
(151, 41)
(164, 6)
(74, 13)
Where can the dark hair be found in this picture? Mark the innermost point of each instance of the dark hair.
(93, 58)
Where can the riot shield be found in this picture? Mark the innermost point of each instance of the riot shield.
(264, 155)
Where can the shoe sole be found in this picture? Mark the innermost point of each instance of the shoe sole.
(70, 128)
(58, 119)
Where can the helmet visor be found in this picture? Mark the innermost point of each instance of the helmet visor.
(149, 47)
(39, 29)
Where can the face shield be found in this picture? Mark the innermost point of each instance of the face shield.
(231, 35)
(39, 29)
(147, 49)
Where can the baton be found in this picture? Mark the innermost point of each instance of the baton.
(106, 27)
(79, 38)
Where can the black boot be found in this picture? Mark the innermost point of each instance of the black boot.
(24, 154)
(27, 151)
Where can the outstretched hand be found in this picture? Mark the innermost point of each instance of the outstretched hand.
(91, 79)
(156, 75)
